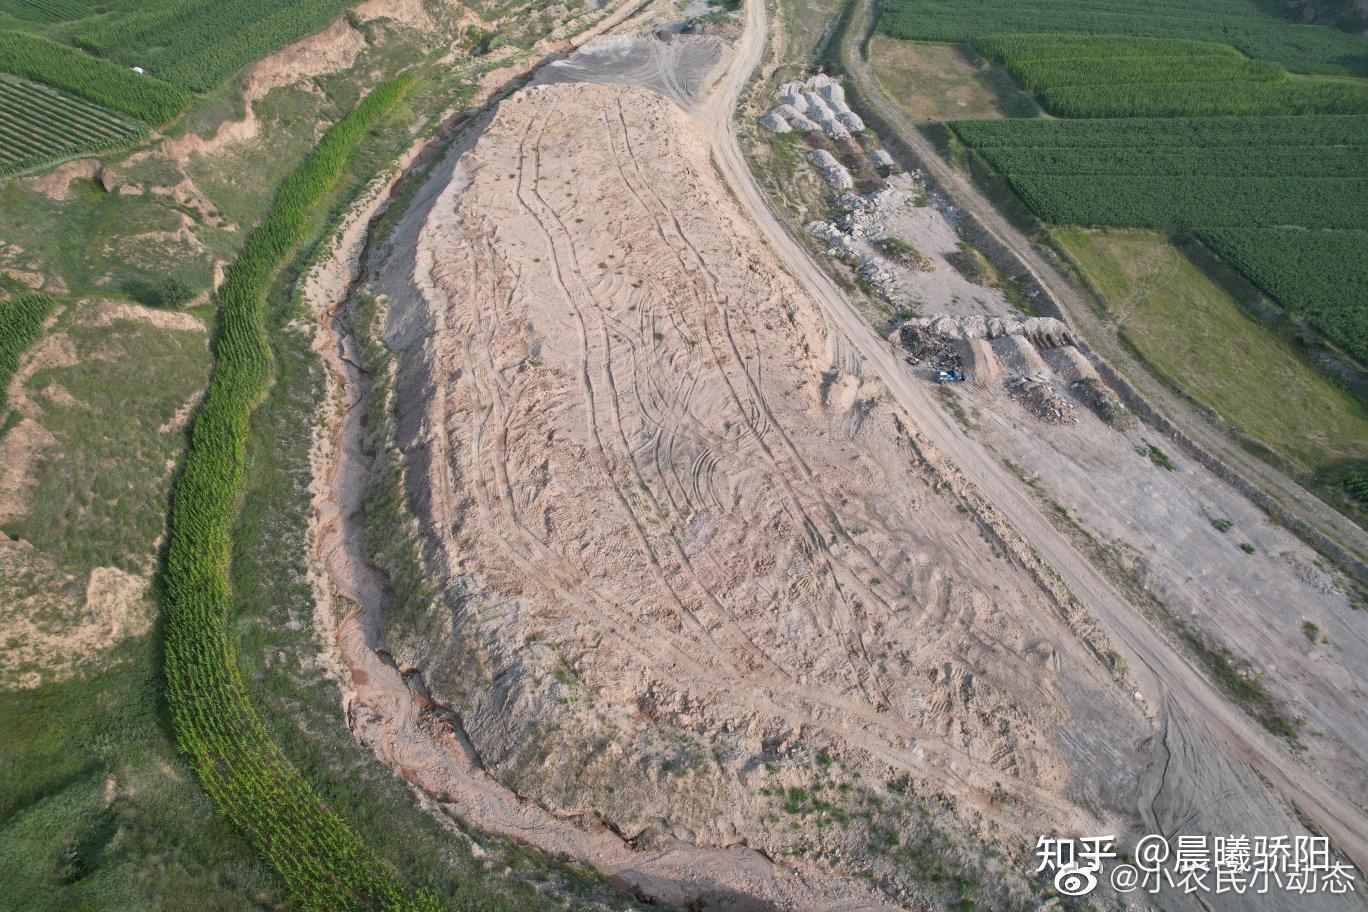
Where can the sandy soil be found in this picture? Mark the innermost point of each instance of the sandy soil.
(676, 516)
(661, 513)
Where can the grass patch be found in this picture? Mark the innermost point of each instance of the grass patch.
(945, 81)
(1244, 688)
(1156, 456)
(898, 249)
(99, 493)
(1194, 333)
(98, 810)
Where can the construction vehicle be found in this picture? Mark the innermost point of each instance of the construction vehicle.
(950, 376)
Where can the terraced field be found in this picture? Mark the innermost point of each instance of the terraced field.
(39, 123)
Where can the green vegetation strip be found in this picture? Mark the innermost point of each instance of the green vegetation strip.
(1119, 76)
(321, 861)
(21, 325)
(1257, 27)
(198, 43)
(115, 87)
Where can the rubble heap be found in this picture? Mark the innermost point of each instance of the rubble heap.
(834, 172)
(1043, 332)
(1041, 400)
(817, 104)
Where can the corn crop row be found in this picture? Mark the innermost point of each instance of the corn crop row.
(322, 862)
(21, 325)
(101, 81)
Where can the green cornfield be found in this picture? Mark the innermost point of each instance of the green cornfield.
(1262, 29)
(199, 43)
(75, 72)
(1177, 174)
(319, 858)
(1117, 76)
(50, 10)
(21, 325)
(39, 124)
(1320, 274)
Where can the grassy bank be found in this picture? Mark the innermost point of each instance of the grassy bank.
(1194, 334)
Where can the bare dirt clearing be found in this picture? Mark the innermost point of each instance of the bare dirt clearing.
(699, 589)
(691, 572)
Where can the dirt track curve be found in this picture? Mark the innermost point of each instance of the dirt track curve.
(1201, 428)
(1194, 711)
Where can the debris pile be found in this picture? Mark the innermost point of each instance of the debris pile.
(1103, 402)
(1043, 332)
(834, 172)
(1041, 400)
(925, 347)
(817, 104)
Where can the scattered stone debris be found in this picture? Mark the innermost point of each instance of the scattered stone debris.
(1041, 400)
(834, 172)
(1096, 396)
(842, 246)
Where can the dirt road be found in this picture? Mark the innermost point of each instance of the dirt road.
(1189, 702)
(1203, 430)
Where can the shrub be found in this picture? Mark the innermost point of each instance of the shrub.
(171, 293)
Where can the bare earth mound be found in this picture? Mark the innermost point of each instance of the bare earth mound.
(694, 581)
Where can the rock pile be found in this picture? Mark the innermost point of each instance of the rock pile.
(841, 245)
(834, 172)
(817, 104)
(883, 160)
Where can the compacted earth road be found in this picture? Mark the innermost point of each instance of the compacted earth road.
(1217, 738)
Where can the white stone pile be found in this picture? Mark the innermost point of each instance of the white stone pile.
(882, 159)
(841, 245)
(817, 104)
(834, 172)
